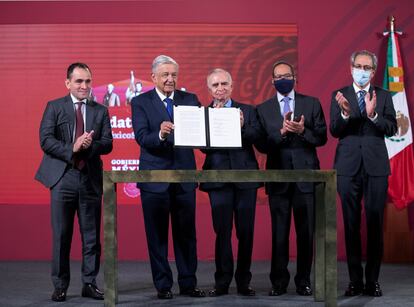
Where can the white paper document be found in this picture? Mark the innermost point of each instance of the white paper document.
(224, 127)
(222, 130)
(189, 126)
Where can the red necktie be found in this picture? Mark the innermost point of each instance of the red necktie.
(79, 163)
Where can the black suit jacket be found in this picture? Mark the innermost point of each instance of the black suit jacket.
(56, 140)
(148, 112)
(292, 151)
(240, 158)
(361, 140)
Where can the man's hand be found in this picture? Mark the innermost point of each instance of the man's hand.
(295, 126)
(343, 103)
(370, 104)
(165, 129)
(286, 118)
(83, 142)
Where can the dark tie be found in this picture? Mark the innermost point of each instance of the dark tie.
(286, 106)
(361, 101)
(169, 103)
(79, 163)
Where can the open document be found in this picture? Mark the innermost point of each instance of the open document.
(224, 127)
(204, 128)
(189, 126)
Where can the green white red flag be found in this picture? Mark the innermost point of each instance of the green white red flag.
(399, 146)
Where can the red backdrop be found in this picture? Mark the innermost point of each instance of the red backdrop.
(328, 32)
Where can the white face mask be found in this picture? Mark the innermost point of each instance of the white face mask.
(360, 76)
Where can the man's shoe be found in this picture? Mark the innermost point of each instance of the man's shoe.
(304, 290)
(218, 292)
(354, 289)
(59, 295)
(194, 292)
(277, 290)
(92, 291)
(165, 295)
(246, 291)
(373, 289)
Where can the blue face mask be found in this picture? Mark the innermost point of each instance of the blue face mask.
(360, 76)
(284, 86)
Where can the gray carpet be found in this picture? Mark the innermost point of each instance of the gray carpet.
(28, 284)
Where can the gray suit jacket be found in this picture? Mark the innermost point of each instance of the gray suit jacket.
(56, 134)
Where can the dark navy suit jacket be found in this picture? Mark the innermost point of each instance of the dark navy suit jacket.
(292, 151)
(361, 140)
(240, 158)
(148, 112)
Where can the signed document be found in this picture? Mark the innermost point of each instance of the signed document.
(189, 126)
(207, 128)
(224, 127)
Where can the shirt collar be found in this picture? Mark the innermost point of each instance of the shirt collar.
(76, 100)
(162, 96)
(291, 95)
(357, 89)
(227, 104)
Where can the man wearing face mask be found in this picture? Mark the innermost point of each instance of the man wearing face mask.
(361, 116)
(294, 125)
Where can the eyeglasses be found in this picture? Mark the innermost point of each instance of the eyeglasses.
(364, 67)
(285, 76)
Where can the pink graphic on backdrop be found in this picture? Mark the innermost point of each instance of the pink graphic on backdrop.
(131, 190)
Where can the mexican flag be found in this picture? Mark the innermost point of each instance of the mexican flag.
(399, 146)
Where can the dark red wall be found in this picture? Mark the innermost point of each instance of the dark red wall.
(328, 32)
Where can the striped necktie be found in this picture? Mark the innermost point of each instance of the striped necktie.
(361, 101)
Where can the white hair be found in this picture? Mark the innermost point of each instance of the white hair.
(162, 59)
(219, 70)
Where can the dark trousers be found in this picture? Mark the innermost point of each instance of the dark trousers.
(227, 202)
(74, 194)
(374, 191)
(157, 208)
(281, 206)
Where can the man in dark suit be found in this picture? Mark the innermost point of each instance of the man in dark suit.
(152, 120)
(361, 115)
(293, 125)
(232, 199)
(74, 133)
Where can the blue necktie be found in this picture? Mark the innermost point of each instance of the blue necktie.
(361, 101)
(286, 106)
(169, 103)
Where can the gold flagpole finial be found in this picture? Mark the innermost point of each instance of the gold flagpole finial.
(392, 23)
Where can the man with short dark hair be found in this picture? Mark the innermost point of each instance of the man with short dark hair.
(361, 116)
(153, 123)
(74, 133)
(293, 125)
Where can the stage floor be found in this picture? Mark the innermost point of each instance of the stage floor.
(28, 284)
